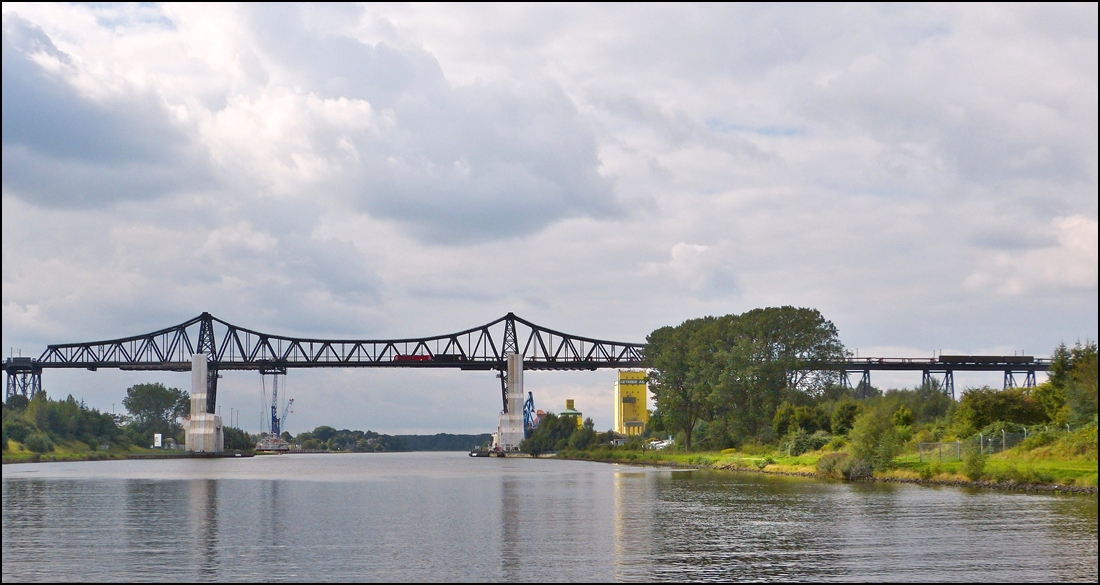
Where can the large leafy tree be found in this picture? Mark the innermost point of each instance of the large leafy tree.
(775, 354)
(738, 369)
(157, 408)
(681, 378)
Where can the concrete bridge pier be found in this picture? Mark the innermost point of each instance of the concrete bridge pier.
(510, 424)
(204, 429)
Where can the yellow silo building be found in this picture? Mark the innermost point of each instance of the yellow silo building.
(631, 414)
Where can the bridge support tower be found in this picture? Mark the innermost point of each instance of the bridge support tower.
(510, 424)
(1010, 379)
(204, 428)
(948, 385)
(864, 389)
(24, 377)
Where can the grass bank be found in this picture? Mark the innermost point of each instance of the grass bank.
(1069, 464)
(78, 451)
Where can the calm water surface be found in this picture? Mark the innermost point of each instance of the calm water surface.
(445, 516)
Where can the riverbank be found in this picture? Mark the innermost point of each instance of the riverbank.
(77, 451)
(1010, 470)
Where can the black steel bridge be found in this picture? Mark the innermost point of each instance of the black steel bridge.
(229, 347)
(941, 369)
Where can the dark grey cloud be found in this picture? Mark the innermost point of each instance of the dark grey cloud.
(62, 148)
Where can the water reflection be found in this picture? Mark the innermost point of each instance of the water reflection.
(511, 561)
(204, 524)
(441, 517)
(633, 520)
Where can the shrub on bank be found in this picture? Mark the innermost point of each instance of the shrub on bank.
(974, 464)
(852, 468)
(39, 442)
(829, 465)
(875, 440)
(1039, 439)
(799, 441)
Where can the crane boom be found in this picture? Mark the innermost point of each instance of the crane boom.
(286, 411)
(275, 426)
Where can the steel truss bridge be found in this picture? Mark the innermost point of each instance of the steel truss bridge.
(942, 369)
(230, 347)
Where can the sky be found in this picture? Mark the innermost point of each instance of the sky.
(923, 175)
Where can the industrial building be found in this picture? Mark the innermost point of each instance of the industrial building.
(573, 412)
(631, 414)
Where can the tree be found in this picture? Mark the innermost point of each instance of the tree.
(875, 439)
(980, 407)
(738, 369)
(1069, 396)
(679, 375)
(902, 417)
(18, 402)
(235, 438)
(844, 415)
(584, 436)
(323, 433)
(772, 357)
(552, 434)
(156, 408)
(789, 418)
(1081, 386)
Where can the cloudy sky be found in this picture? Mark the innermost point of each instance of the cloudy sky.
(926, 176)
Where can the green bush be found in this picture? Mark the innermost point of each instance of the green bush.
(1039, 439)
(789, 418)
(830, 465)
(931, 470)
(974, 464)
(852, 468)
(39, 442)
(799, 441)
(1079, 442)
(18, 402)
(18, 430)
(875, 440)
(762, 463)
(981, 407)
(902, 417)
(844, 416)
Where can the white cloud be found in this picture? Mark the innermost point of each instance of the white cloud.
(916, 172)
(1070, 264)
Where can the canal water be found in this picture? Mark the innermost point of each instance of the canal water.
(448, 517)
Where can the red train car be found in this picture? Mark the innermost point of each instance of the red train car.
(412, 358)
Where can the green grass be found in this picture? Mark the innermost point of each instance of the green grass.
(1071, 460)
(77, 451)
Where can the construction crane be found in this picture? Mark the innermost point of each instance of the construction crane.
(274, 442)
(530, 420)
(286, 411)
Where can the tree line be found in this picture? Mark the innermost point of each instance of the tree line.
(757, 381)
(41, 422)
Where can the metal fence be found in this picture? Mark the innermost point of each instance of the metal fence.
(986, 444)
(940, 451)
(998, 442)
